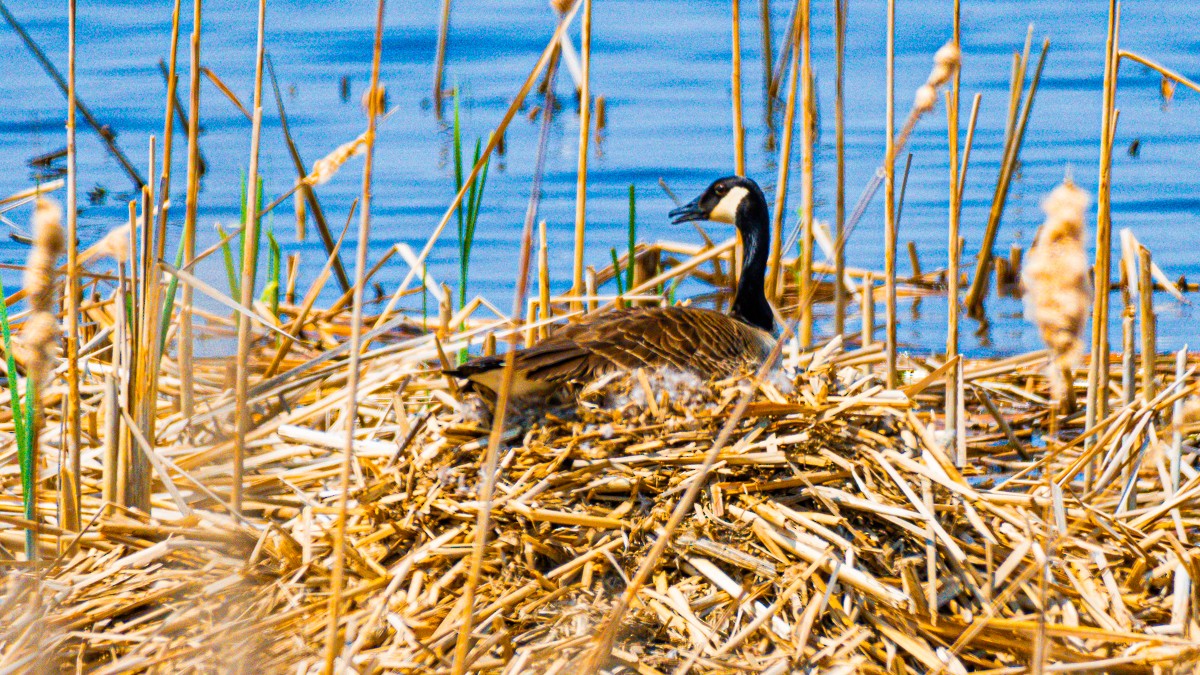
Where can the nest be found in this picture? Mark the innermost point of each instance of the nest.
(833, 535)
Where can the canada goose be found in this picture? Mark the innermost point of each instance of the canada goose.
(690, 339)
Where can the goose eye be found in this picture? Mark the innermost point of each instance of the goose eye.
(720, 189)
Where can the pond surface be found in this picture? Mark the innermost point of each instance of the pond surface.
(663, 69)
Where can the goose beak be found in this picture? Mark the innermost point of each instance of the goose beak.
(688, 212)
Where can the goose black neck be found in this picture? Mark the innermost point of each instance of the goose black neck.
(749, 302)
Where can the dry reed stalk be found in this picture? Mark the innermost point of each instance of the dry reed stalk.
(889, 231)
(739, 130)
(543, 260)
(585, 111)
(493, 140)
(70, 490)
(1014, 139)
(440, 64)
(839, 105)
(807, 181)
(1147, 323)
(774, 273)
(186, 336)
(1097, 390)
(764, 16)
(867, 307)
(337, 580)
(589, 289)
(249, 257)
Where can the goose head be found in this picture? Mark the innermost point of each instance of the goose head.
(723, 202)
(740, 202)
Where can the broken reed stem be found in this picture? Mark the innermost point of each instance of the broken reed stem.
(839, 104)
(807, 183)
(1097, 391)
(543, 279)
(1148, 324)
(1177, 421)
(70, 489)
(337, 581)
(889, 233)
(1012, 152)
(187, 384)
(585, 111)
(440, 66)
(867, 307)
(249, 256)
(493, 141)
(739, 130)
(774, 273)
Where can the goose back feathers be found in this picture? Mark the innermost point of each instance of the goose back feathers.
(686, 339)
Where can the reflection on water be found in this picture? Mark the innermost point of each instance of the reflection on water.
(663, 68)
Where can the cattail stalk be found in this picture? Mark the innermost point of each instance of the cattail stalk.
(807, 182)
(249, 258)
(774, 273)
(739, 131)
(889, 232)
(70, 490)
(585, 108)
(1097, 391)
(839, 105)
(337, 581)
(187, 379)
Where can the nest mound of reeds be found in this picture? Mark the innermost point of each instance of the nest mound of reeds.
(834, 534)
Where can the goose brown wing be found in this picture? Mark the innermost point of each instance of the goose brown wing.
(683, 338)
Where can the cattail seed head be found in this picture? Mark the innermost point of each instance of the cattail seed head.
(925, 98)
(945, 62)
(323, 169)
(43, 257)
(115, 244)
(39, 333)
(1058, 290)
(561, 6)
(375, 98)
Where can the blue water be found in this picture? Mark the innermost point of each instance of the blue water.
(663, 68)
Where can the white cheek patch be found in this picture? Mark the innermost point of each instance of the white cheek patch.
(726, 209)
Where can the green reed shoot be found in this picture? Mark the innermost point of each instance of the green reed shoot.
(169, 303)
(233, 261)
(467, 212)
(270, 294)
(22, 421)
(616, 261)
(632, 239)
